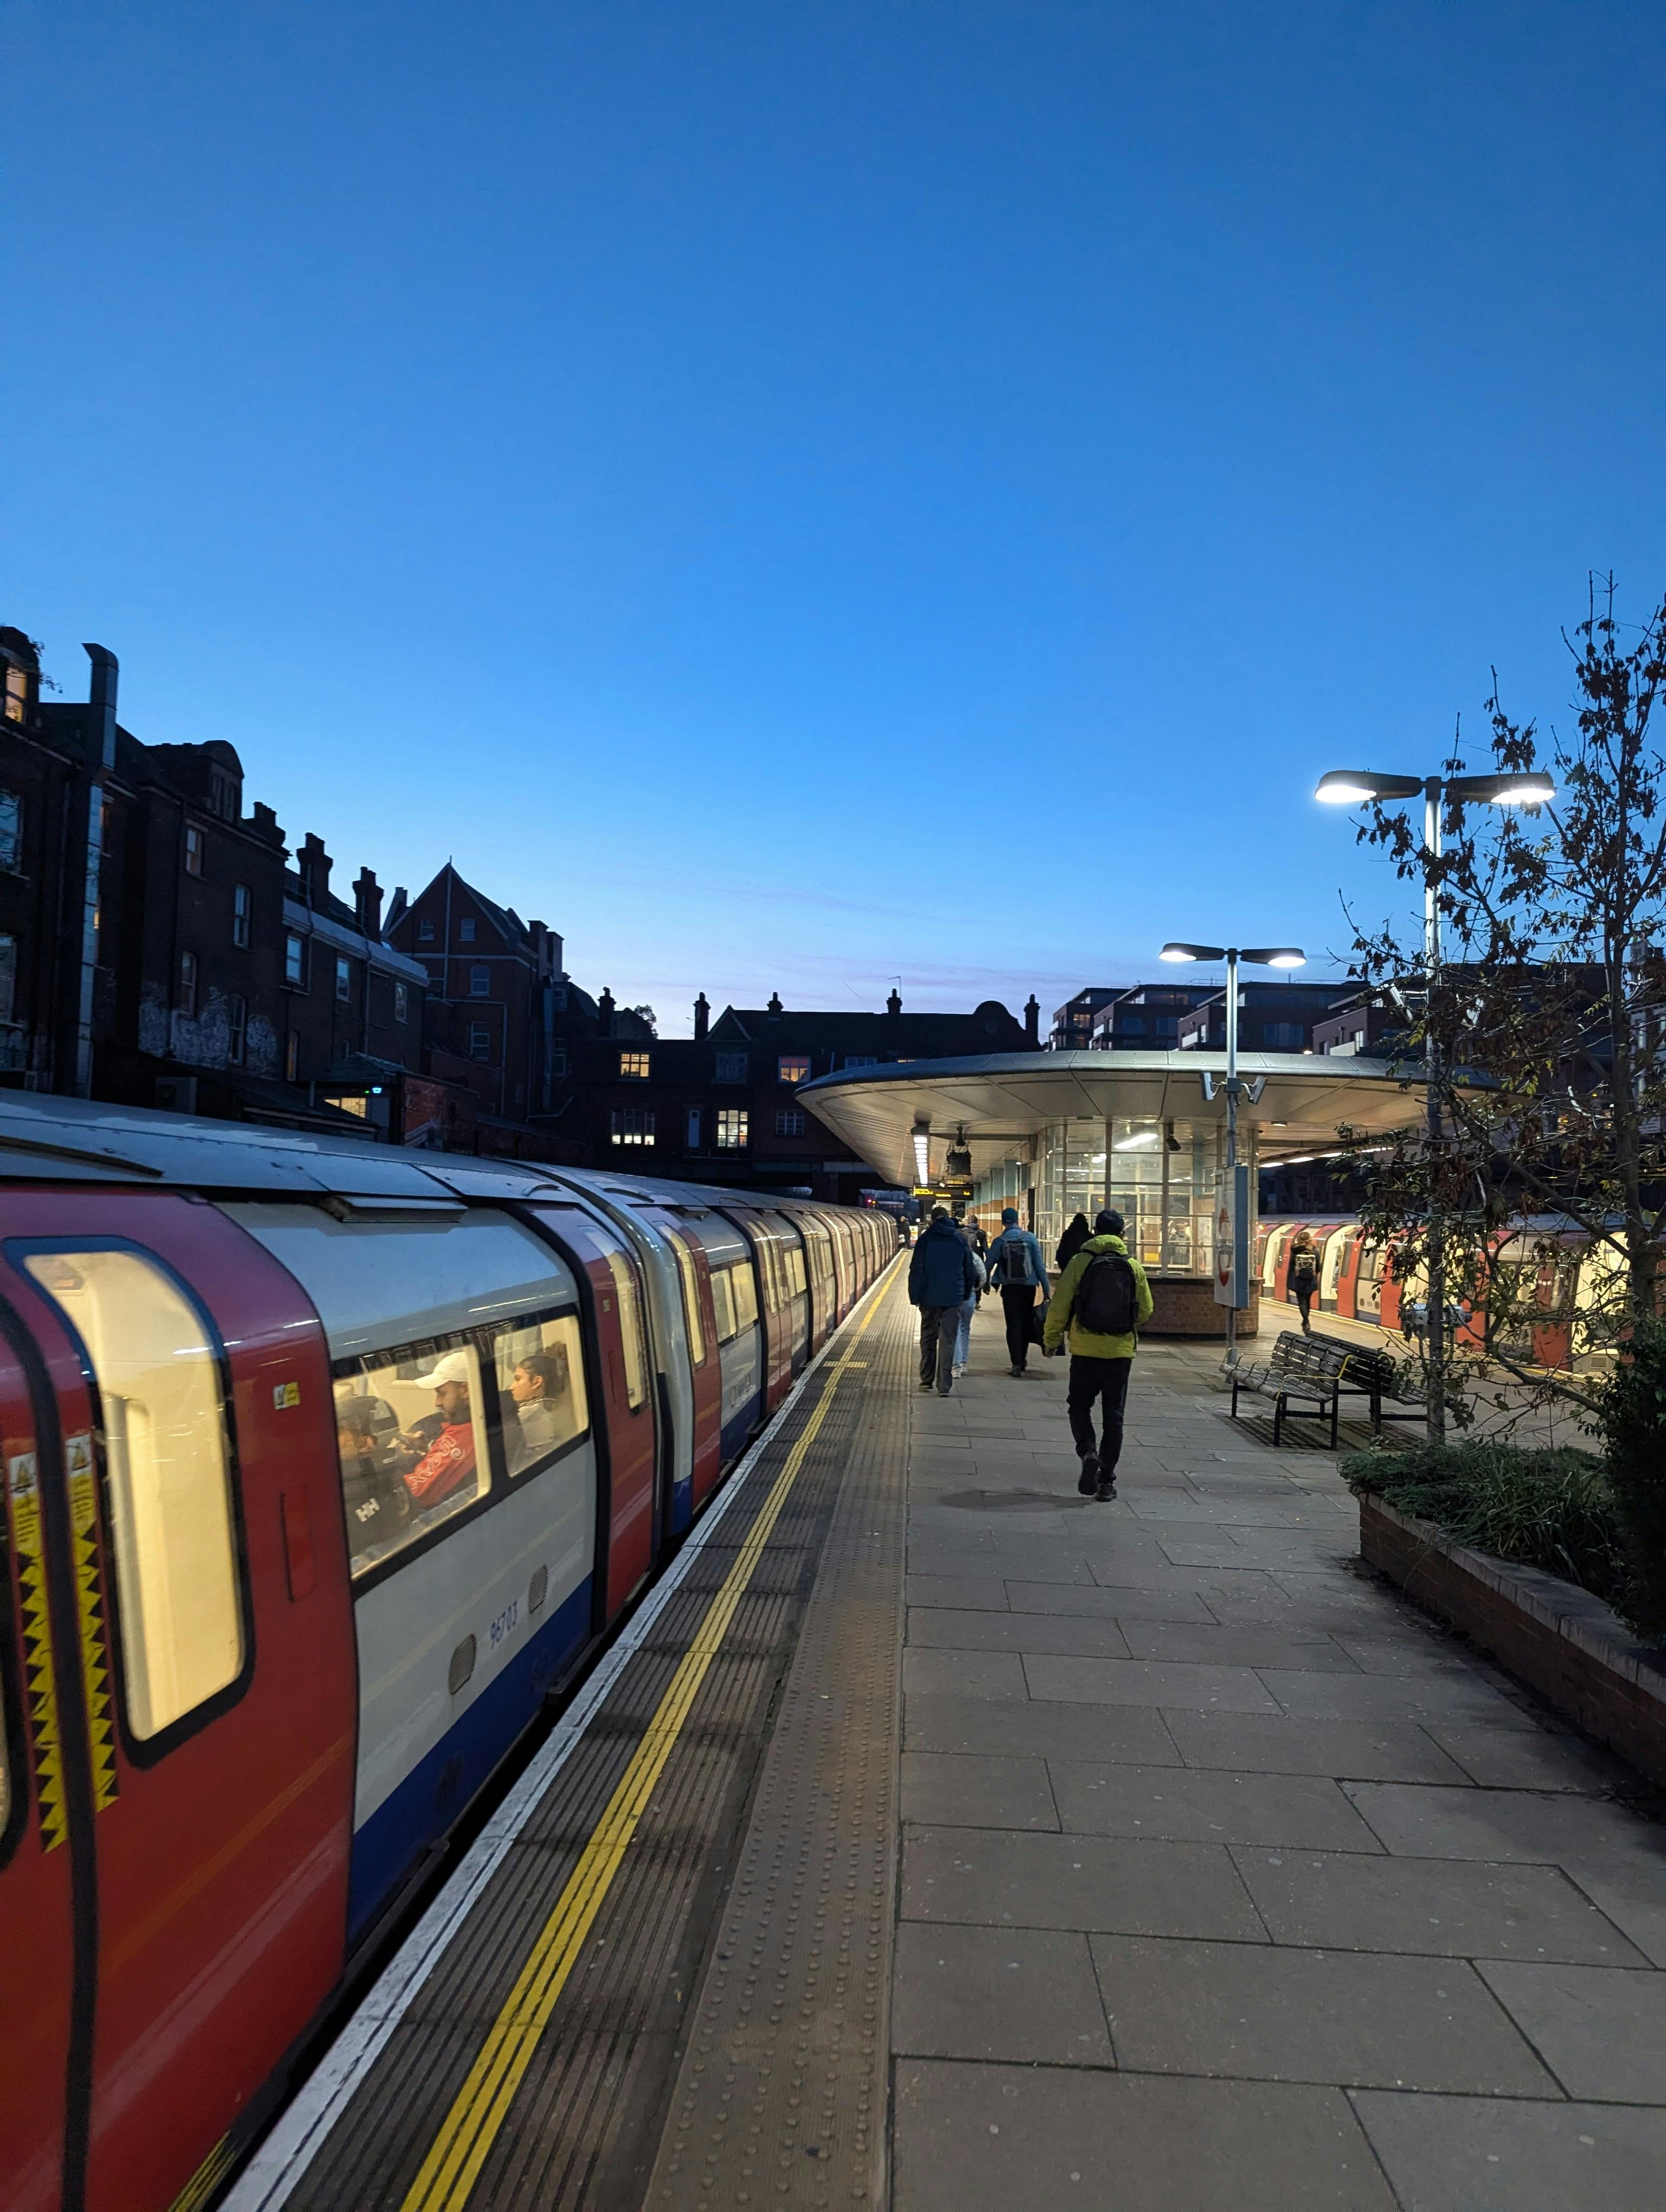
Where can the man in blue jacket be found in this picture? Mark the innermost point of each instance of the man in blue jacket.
(1019, 1273)
(942, 1276)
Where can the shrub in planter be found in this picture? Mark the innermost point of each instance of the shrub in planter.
(1630, 1413)
(1547, 1508)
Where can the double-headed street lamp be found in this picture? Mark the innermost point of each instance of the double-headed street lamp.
(1263, 956)
(1348, 787)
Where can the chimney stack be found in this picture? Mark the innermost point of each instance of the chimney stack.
(1032, 1019)
(367, 902)
(314, 864)
(894, 1004)
(102, 697)
(605, 1012)
(774, 1008)
(702, 1015)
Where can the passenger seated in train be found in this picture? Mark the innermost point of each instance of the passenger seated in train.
(447, 1464)
(378, 1503)
(538, 1386)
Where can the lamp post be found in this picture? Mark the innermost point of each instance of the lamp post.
(1265, 956)
(1361, 787)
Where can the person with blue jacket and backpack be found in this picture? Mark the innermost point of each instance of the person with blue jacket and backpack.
(1101, 1302)
(942, 1275)
(1019, 1271)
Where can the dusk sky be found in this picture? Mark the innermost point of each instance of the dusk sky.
(796, 495)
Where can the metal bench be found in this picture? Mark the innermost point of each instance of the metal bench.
(1305, 1368)
(1379, 1376)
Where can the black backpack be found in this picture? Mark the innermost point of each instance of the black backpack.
(1106, 1297)
(1014, 1262)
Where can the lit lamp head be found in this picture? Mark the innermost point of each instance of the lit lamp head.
(1275, 956)
(1532, 790)
(1192, 953)
(1359, 786)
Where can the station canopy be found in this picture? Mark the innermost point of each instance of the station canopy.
(1002, 1101)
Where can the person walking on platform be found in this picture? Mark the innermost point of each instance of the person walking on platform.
(1018, 1271)
(976, 1243)
(1304, 1274)
(1101, 1299)
(942, 1275)
(1075, 1236)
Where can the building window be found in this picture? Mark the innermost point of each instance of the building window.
(732, 1135)
(792, 1068)
(731, 1066)
(241, 907)
(193, 851)
(17, 692)
(294, 960)
(401, 1003)
(480, 1041)
(1165, 1026)
(237, 1028)
(480, 981)
(789, 1122)
(425, 931)
(694, 1129)
(292, 1057)
(187, 983)
(224, 796)
(861, 1060)
(633, 1125)
(465, 931)
(8, 977)
(343, 979)
(11, 830)
(558, 1059)
(1281, 1037)
(635, 1066)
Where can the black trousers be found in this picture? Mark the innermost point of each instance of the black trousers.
(1018, 1302)
(1305, 1286)
(938, 1328)
(1106, 1380)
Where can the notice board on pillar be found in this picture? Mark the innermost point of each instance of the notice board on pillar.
(1232, 1239)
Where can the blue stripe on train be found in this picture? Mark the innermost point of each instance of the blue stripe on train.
(434, 1794)
(738, 1428)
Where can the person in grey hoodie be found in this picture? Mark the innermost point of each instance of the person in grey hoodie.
(1018, 1271)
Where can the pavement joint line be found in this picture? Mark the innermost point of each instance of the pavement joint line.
(464, 2138)
(281, 2160)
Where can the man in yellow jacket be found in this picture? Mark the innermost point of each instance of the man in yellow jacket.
(1103, 1298)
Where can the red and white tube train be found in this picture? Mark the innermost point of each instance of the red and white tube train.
(324, 1466)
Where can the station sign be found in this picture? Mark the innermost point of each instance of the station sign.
(1233, 1241)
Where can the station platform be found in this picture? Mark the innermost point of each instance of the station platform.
(937, 1840)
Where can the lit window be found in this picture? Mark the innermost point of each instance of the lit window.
(694, 1129)
(343, 979)
(187, 983)
(425, 931)
(793, 1068)
(242, 905)
(17, 691)
(237, 1028)
(193, 851)
(634, 1064)
(630, 1329)
(401, 1003)
(789, 1121)
(540, 1388)
(411, 1433)
(731, 1066)
(480, 1040)
(732, 1135)
(465, 931)
(633, 1125)
(691, 1316)
(167, 1482)
(294, 960)
(11, 830)
(292, 1057)
(480, 981)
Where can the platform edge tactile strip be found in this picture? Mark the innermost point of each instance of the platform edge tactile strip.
(780, 2093)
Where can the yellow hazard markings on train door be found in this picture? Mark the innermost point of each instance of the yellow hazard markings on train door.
(477, 2114)
(90, 1614)
(40, 1682)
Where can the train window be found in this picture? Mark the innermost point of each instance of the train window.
(692, 1319)
(540, 1389)
(743, 1292)
(410, 1428)
(795, 1271)
(723, 1305)
(168, 1473)
(630, 1329)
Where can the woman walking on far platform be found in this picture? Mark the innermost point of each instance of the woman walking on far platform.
(1304, 1274)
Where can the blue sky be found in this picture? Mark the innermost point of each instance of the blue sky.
(795, 496)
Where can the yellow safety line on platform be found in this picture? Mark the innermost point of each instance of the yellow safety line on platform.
(469, 2130)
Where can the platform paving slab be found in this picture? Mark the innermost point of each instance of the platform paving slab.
(1195, 1687)
(1602, 2032)
(967, 1790)
(996, 1877)
(1024, 1994)
(1067, 1634)
(1495, 2154)
(1381, 1751)
(1299, 1812)
(1000, 1727)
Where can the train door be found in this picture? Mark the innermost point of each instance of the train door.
(183, 1477)
(1347, 1273)
(772, 1305)
(705, 1456)
(819, 1261)
(789, 1253)
(1330, 1262)
(634, 1515)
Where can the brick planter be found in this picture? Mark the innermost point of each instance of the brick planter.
(1184, 1306)
(1558, 1638)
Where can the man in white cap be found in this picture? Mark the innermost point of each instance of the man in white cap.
(447, 1464)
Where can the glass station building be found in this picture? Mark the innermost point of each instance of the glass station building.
(1056, 1134)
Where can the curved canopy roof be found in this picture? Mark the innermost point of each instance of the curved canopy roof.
(1002, 1099)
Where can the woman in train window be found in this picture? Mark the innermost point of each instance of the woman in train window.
(446, 1465)
(378, 1503)
(538, 1388)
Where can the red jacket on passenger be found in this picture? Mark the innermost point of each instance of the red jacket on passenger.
(446, 1466)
